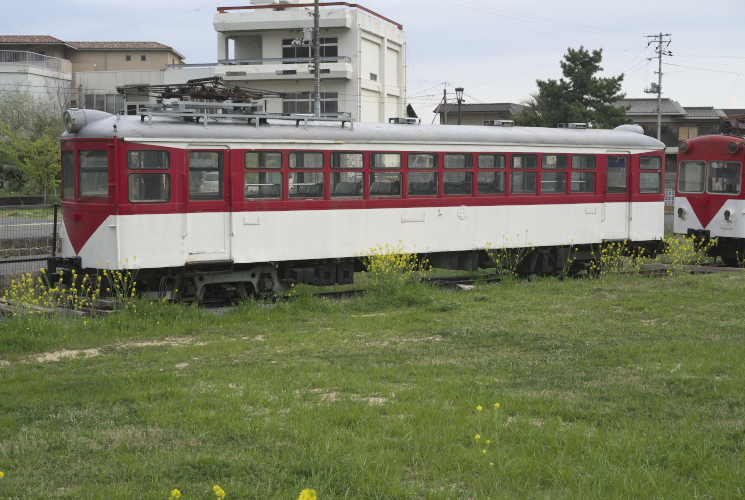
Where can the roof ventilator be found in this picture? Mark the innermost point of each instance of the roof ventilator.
(403, 120)
(499, 123)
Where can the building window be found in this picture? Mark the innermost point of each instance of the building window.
(143, 58)
(302, 102)
(329, 48)
(128, 58)
(110, 103)
(687, 133)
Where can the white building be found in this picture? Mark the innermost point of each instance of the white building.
(363, 56)
(46, 78)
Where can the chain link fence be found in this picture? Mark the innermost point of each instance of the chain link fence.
(29, 235)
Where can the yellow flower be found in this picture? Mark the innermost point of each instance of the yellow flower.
(308, 495)
(2, 474)
(175, 495)
(483, 451)
(478, 436)
(488, 441)
(491, 464)
(497, 405)
(479, 408)
(219, 492)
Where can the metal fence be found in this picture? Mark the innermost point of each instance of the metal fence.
(29, 235)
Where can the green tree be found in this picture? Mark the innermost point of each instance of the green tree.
(579, 97)
(38, 159)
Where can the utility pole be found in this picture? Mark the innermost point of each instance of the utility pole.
(317, 60)
(656, 88)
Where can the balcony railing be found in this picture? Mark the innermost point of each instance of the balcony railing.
(23, 58)
(283, 60)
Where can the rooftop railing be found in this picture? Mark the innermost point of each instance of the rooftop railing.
(225, 10)
(24, 58)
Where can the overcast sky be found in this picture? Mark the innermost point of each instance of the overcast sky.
(495, 49)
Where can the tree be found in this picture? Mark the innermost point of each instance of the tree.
(38, 159)
(581, 98)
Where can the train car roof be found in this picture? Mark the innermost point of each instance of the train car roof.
(168, 129)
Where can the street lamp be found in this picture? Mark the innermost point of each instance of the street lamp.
(459, 96)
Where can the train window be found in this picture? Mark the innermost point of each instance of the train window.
(385, 160)
(306, 184)
(522, 182)
(691, 176)
(148, 160)
(385, 185)
(650, 163)
(583, 162)
(458, 161)
(346, 160)
(457, 183)
(302, 159)
(68, 175)
(346, 184)
(617, 167)
(491, 182)
(554, 162)
(554, 182)
(94, 173)
(524, 161)
(262, 185)
(724, 177)
(492, 161)
(583, 182)
(422, 184)
(263, 159)
(206, 181)
(149, 188)
(422, 160)
(650, 182)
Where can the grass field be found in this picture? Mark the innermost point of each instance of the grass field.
(621, 387)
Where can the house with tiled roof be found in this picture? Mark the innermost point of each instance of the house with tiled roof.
(34, 51)
(477, 114)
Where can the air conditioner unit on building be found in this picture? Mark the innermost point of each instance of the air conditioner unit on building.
(499, 123)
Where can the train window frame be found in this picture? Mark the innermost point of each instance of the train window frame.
(621, 174)
(523, 178)
(555, 162)
(379, 181)
(554, 182)
(429, 186)
(300, 187)
(376, 163)
(96, 172)
(131, 188)
(266, 185)
(494, 156)
(582, 162)
(357, 160)
(498, 184)
(684, 174)
(428, 161)
(347, 183)
(531, 161)
(141, 159)
(263, 160)
(463, 187)
(68, 175)
(711, 168)
(304, 156)
(194, 178)
(581, 179)
(449, 158)
(650, 163)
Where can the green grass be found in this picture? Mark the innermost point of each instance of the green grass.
(623, 387)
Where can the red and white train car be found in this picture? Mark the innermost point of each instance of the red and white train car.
(230, 206)
(709, 200)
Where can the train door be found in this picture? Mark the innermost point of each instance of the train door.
(616, 208)
(207, 224)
